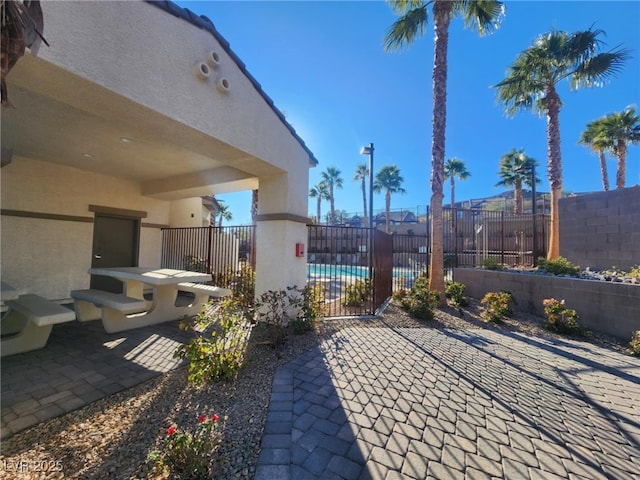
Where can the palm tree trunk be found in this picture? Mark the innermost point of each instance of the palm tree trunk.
(622, 164)
(603, 171)
(319, 221)
(441, 20)
(364, 203)
(554, 168)
(517, 197)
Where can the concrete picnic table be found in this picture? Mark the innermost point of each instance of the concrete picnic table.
(165, 282)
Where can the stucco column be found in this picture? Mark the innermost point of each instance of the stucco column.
(281, 224)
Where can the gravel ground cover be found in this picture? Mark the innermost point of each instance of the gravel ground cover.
(112, 438)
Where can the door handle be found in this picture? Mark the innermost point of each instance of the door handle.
(97, 257)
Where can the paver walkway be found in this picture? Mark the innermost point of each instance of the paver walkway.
(80, 364)
(413, 403)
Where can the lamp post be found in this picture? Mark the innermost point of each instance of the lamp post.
(369, 151)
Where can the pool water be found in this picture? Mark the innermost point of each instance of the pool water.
(354, 271)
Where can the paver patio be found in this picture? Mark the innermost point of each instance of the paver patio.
(414, 403)
(385, 402)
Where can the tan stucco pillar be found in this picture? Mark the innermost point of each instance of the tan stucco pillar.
(281, 224)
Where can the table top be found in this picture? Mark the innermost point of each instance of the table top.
(7, 292)
(152, 276)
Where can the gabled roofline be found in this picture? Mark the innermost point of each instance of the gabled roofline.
(202, 21)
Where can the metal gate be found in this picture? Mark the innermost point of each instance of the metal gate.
(339, 259)
(382, 268)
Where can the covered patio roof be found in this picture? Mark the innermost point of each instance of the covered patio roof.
(61, 114)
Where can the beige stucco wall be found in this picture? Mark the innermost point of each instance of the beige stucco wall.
(188, 212)
(136, 64)
(51, 257)
(155, 69)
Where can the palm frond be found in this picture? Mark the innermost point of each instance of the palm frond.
(594, 71)
(406, 29)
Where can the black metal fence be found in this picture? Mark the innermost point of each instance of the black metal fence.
(338, 257)
(474, 237)
(225, 252)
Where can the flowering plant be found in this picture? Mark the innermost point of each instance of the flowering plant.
(188, 455)
(560, 318)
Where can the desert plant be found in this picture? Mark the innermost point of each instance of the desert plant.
(188, 455)
(420, 302)
(492, 264)
(559, 266)
(313, 308)
(498, 306)
(358, 292)
(634, 344)
(455, 292)
(218, 348)
(560, 318)
(275, 309)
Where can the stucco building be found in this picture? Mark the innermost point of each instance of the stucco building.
(134, 112)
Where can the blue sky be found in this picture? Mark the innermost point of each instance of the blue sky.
(324, 65)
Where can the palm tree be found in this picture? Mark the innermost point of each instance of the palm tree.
(593, 137)
(362, 174)
(620, 129)
(22, 26)
(223, 213)
(452, 169)
(389, 180)
(531, 83)
(483, 16)
(515, 169)
(332, 179)
(321, 192)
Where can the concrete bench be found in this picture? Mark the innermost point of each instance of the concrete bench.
(202, 289)
(91, 303)
(202, 294)
(29, 321)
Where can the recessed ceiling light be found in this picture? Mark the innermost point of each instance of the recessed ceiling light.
(126, 140)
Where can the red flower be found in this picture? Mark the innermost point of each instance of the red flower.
(202, 418)
(215, 418)
(171, 430)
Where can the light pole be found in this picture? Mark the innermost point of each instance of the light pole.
(369, 151)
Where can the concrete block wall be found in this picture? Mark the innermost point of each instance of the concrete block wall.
(601, 229)
(609, 308)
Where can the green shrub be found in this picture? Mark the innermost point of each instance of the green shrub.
(454, 291)
(313, 308)
(357, 293)
(492, 264)
(634, 344)
(560, 318)
(420, 302)
(218, 349)
(635, 272)
(559, 266)
(498, 306)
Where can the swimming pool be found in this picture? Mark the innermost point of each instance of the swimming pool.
(353, 271)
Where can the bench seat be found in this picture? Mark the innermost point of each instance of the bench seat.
(117, 301)
(202, 289)
(29, 321)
